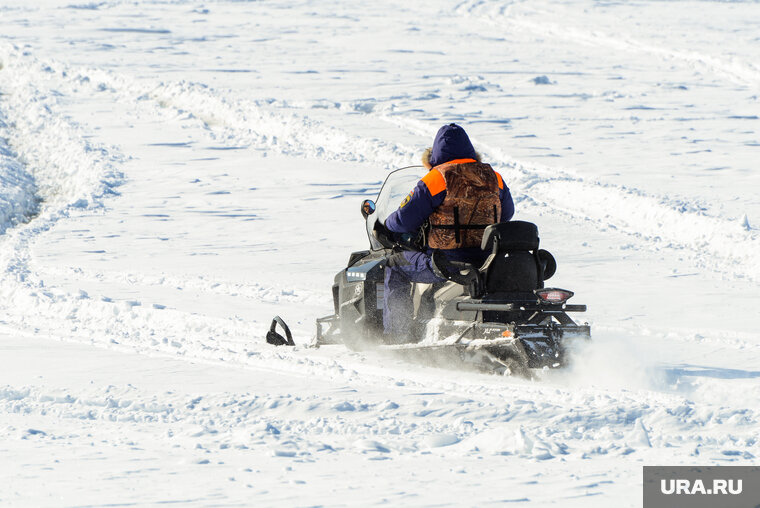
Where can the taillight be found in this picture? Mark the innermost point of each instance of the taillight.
(553, 295)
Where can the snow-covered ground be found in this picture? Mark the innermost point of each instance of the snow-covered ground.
(174, 173)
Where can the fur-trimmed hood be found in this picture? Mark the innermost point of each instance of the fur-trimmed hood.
(451, 143)
(428, 151)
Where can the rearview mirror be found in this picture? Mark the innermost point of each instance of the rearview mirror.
(368, 208)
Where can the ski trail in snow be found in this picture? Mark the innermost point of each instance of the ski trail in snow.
(655, 221)
(63, 170)
(201, 284)
(71, 175)
(495, 12)
(717, 244)
(249, 123)
(407, 413)
(660, 222)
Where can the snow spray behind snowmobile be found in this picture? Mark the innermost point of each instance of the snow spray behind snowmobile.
(498, 315)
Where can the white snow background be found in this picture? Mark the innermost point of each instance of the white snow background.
(174, 173)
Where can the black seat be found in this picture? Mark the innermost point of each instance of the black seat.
(514, 264)
(514, 235)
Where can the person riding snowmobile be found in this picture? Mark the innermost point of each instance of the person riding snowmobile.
(459, 197)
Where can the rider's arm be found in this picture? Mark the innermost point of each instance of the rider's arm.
(507, 205)
(418, 205)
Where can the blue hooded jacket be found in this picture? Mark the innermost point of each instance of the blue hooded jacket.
(451, 143)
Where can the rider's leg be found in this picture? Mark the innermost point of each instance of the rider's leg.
(403, 269)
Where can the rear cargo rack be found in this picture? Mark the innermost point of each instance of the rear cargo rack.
(503, 307)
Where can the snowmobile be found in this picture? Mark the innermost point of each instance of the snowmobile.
(498, 316)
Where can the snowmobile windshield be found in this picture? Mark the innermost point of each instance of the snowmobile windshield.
(397, 185)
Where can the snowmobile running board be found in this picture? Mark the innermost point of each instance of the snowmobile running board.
(326, 333)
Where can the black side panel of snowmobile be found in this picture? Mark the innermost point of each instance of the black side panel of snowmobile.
(359, 299)
(336, 297)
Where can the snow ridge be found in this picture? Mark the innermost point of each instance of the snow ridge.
(67, 170)
(57, 171)
(657, 222)
(248, 123)
(18, 192)
(654, 222)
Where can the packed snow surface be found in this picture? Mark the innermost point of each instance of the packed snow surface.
(174, 173)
